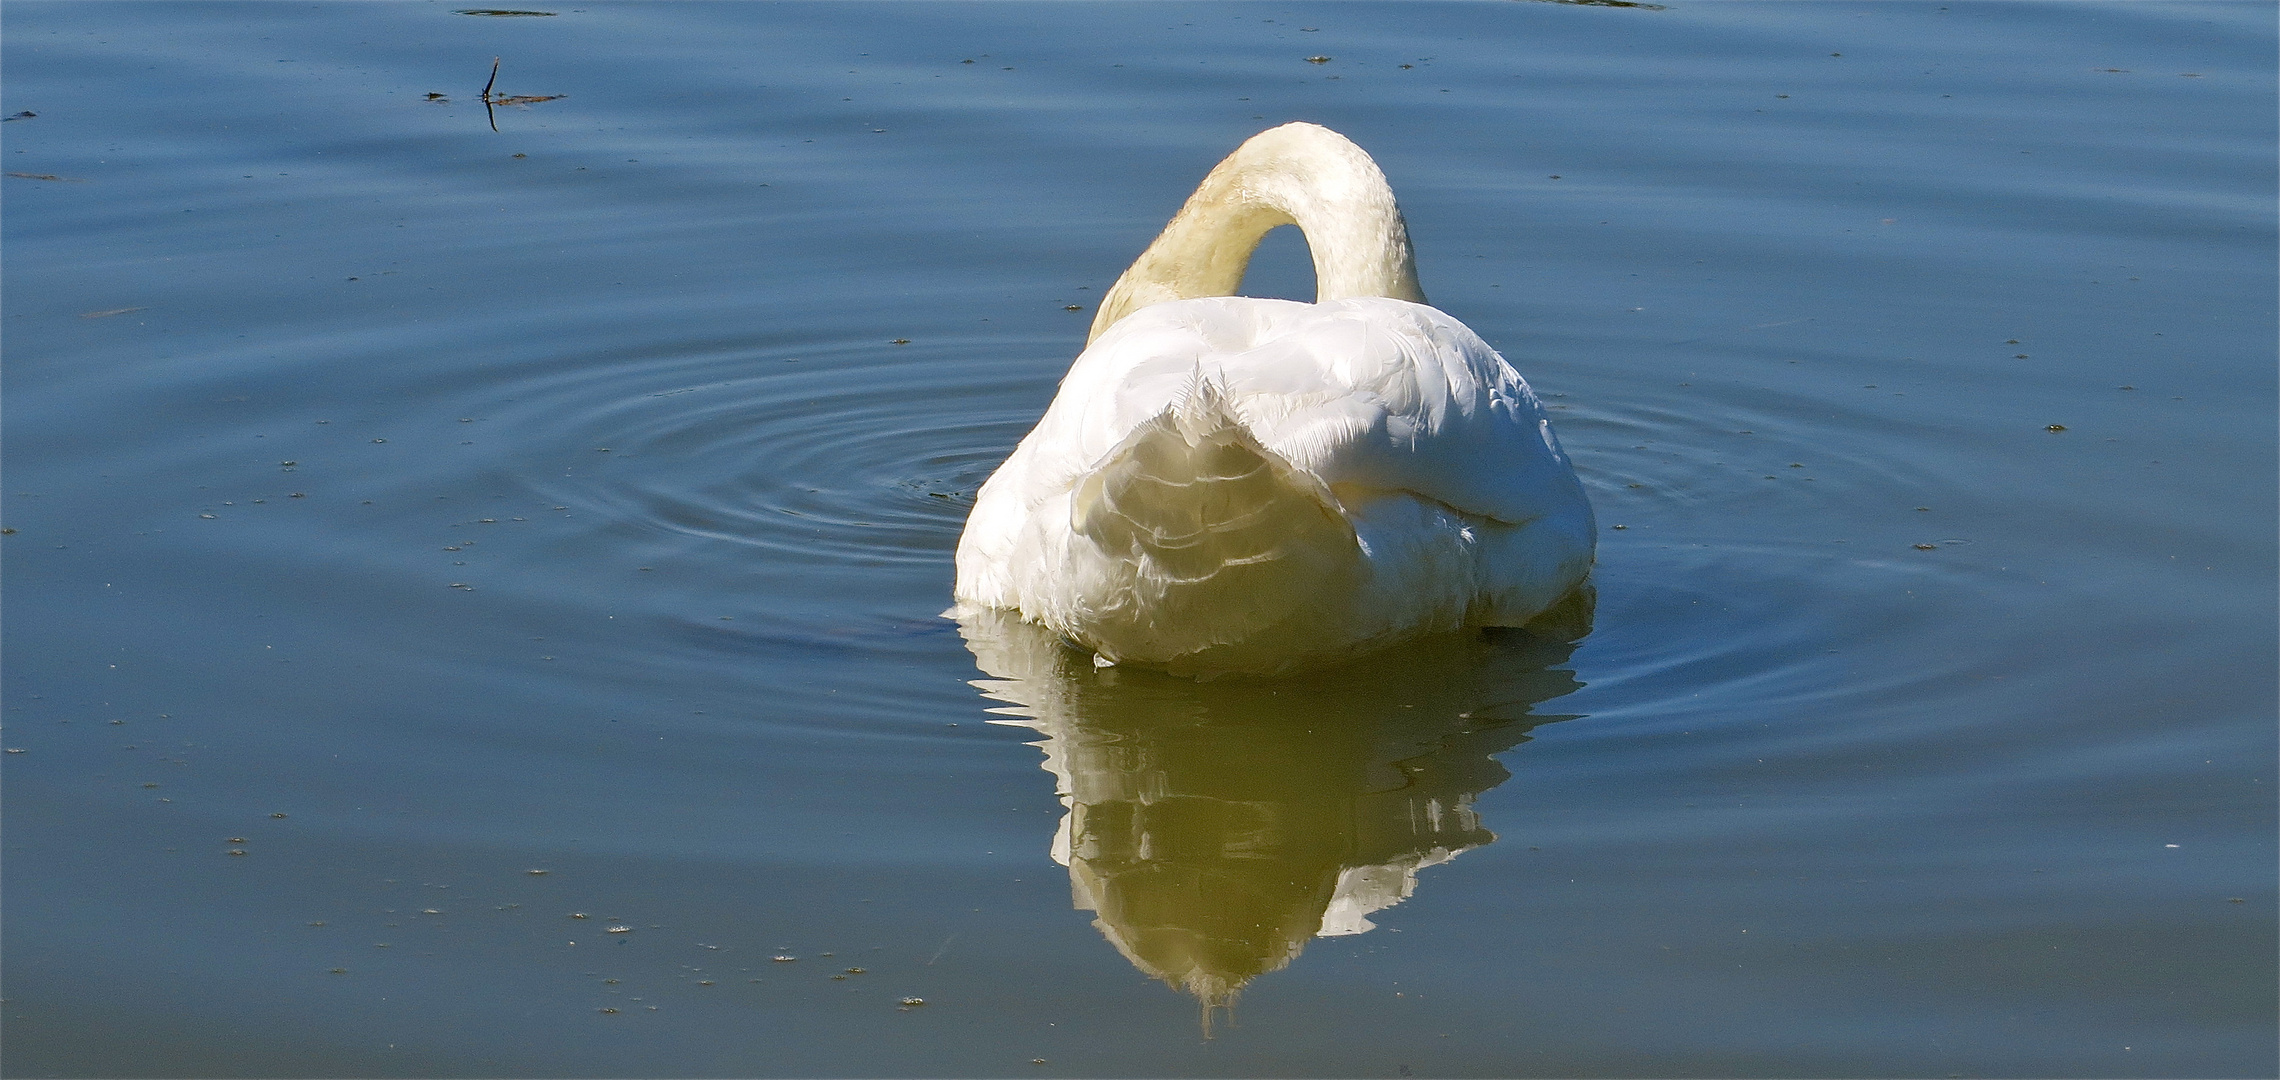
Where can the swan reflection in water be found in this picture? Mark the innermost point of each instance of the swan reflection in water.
(1216, 827)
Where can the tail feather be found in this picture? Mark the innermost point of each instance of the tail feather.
(1206, 537)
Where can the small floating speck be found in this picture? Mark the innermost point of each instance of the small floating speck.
(577, 914)
(1317, 59)
(2054, 427)
(900, 341)
(783, 959)
(621, 930)
(912, 1002)
(607, 1010)
(1926, 547)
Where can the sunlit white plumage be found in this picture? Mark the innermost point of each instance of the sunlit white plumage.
(1226, 484)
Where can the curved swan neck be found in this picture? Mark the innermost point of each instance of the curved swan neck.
(1296, 174)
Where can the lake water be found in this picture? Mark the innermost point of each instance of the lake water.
(400, 508)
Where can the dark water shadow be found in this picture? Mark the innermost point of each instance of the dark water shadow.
(1216, 827)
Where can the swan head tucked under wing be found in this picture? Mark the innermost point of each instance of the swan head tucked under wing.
(1226, 484)
(1297, 174)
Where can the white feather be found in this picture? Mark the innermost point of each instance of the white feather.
(1233, 484)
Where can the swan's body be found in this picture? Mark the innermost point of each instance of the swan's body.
(1233, 484)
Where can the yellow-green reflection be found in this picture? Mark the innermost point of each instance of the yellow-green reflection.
(1215, 827)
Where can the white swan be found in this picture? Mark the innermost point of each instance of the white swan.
(1226, 484)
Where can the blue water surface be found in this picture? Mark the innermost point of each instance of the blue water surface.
(473, 594)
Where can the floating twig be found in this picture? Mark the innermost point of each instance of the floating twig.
(516, 99)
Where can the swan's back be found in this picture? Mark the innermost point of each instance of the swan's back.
(1239, 484)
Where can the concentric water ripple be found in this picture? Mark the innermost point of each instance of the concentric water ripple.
(845, 455)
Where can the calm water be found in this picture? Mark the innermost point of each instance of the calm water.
(401, 507)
